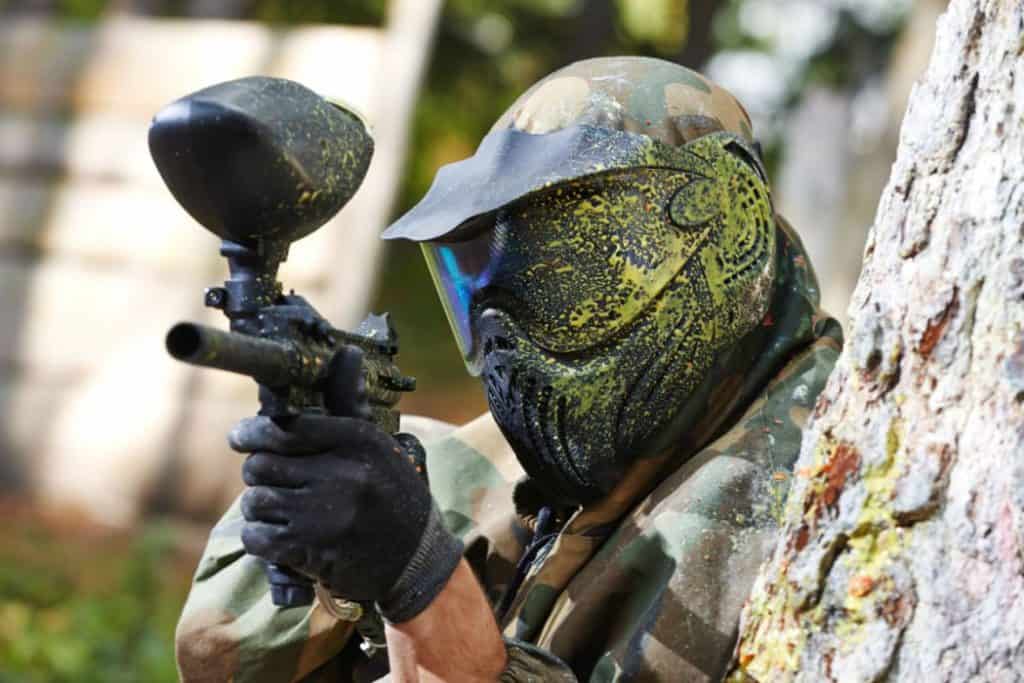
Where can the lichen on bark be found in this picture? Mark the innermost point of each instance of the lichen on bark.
(902, 551)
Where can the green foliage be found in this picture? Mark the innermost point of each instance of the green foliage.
(84, 10)
(660, 23)
(88, 611)
(856, 48)
(353, 12)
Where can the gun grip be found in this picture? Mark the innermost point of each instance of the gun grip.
(344, 396)
(288, 588)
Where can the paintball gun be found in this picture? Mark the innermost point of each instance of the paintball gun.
(262, 162)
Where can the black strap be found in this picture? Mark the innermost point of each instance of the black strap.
(542, 534)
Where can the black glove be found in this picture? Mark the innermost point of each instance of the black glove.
(342, 501)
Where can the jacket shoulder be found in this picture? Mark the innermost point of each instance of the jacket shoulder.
(472, 470)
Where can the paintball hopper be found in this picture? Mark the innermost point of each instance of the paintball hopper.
(260, 158)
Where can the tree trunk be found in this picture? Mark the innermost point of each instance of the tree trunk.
(902, 554)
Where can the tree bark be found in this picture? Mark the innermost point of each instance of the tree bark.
(902, 549)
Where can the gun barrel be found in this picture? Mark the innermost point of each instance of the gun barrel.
(266, 361)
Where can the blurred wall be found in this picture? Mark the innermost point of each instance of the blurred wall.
(97, 261)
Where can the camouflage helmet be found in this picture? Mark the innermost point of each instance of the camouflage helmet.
(589, 117)
(652, 97)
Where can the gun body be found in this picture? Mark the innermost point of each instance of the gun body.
(292, 358)
(296, 358)
(262, 162)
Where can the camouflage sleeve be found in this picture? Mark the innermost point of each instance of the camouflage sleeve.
(529, 664)
(230, 630)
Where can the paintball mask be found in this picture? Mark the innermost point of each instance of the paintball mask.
(610, 239)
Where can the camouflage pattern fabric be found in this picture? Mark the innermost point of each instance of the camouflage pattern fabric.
(659, 99)
(527, 663)
(646, 584)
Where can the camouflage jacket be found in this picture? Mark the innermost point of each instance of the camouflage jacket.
(645, 585)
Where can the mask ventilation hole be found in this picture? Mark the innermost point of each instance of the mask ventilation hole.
(498, 344)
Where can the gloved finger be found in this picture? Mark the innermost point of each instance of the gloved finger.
(342, 434)
(270, 469)
(267, 504)
(305, 435)
(345, 390)
(413, 450)
(272, 542)
(261, 433)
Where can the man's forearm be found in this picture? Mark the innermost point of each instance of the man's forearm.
(454, 639)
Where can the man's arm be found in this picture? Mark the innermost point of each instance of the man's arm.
(454, 639)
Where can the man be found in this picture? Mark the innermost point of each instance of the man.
(647, 332)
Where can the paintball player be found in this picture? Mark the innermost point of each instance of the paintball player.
(648, 335)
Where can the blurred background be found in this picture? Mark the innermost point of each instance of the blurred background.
(113, 463)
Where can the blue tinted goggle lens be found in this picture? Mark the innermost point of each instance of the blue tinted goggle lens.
(460, 270)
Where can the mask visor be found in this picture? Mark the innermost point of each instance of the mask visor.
(460, 271)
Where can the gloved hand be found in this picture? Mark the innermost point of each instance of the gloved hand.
(340, 500)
